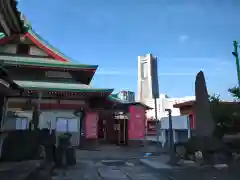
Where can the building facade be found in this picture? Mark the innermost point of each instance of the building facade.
(163, 103)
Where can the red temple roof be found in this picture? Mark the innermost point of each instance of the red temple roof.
(191, 103)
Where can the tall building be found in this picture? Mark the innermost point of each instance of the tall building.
(148, 89)
(147, 78)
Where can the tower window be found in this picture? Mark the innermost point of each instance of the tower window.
(144, 70)
(23, 49)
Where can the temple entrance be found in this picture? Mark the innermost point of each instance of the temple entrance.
(121, 128)
(113, 128)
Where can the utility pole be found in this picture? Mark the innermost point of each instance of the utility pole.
(170, 138)
(235, 54)
(173, 158)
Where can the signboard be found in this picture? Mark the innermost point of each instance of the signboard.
(58, 74)
(136, 123)
(91, 125)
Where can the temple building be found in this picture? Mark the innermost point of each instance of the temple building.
(62, 92)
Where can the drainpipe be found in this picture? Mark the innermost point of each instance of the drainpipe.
(171, 141)
(189, 127)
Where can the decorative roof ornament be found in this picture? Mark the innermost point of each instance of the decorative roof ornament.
(22, 38)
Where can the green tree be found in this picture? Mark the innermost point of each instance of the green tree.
(215, 98)
(235, 92)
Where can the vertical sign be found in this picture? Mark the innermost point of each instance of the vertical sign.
(91, 125)
(136, 123)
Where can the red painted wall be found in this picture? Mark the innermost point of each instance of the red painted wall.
(136, 123)
(192, 120)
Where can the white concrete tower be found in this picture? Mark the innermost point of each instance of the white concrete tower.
(147, 78)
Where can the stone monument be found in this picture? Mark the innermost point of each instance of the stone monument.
(204, 122)
(202, 138)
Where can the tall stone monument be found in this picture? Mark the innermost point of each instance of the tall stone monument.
(203, 139)
(204, 122)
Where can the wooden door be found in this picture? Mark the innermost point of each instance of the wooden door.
(122, 133)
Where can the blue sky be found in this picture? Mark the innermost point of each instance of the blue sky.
(187, 36)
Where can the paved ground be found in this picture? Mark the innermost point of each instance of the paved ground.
(133, 170)
(109, 170)
(110, 163)
(113, 163)
(118, 152)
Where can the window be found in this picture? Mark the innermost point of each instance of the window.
(23, 49)
(144, 70)
(67, 125)
(61, 125)
(21, 123)
(73, 125)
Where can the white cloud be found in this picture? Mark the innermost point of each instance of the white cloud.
(183, 38)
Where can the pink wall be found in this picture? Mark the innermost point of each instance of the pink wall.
(91, 125)
(136, 123)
